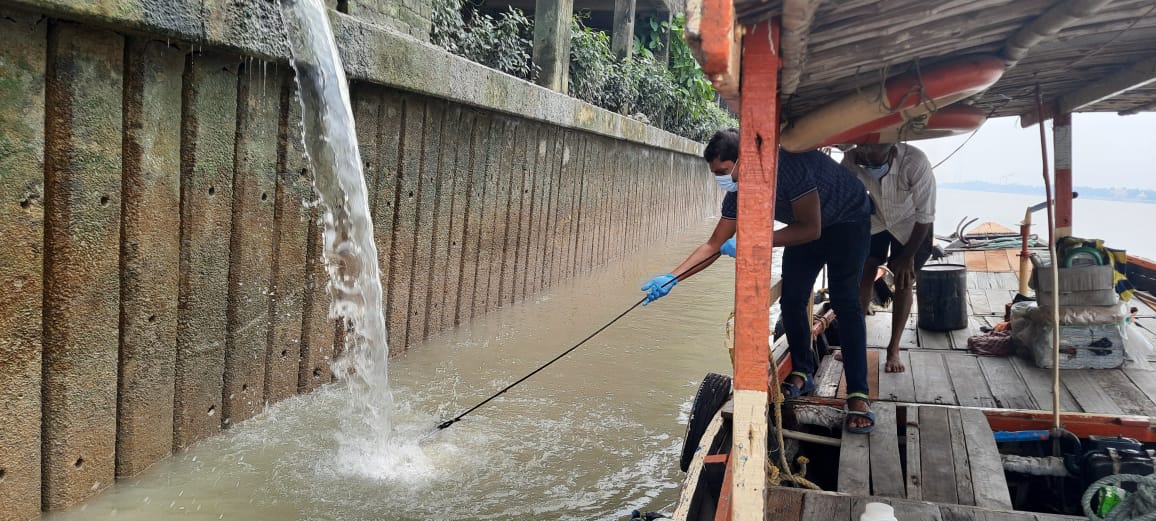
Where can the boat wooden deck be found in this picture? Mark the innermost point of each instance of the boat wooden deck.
(791, 504)
(914, 464)
(941, 371)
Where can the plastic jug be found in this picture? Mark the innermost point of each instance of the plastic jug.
(878, 512)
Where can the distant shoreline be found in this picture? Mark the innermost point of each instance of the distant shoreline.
(1103, 194)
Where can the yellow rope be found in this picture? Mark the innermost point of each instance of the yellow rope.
(774, 475)
(786, 468)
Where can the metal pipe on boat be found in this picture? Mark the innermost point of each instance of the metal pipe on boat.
(1025, 236)
(1045, 466)
(1025, 260)
(812, 438)
(821, 323)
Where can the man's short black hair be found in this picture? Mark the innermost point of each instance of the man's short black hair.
(724, 146)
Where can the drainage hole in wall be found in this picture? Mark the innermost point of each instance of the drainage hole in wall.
(284, 352)
(317, 372)
(152, 318)
(79, 463)
(264, 196)
(212, 190)
(104, 200)
(411, 195)
(1, 474)
(26, 203)
(244, 387)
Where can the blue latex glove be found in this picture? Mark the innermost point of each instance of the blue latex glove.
(658, 287)
(728, 248)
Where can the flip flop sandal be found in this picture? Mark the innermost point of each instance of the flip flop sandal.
(791, 391)
(849, 413)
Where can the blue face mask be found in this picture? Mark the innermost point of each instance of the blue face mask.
(877, 172)
(727, 182)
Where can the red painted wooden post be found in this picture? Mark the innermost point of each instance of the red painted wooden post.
(1062, 141)
(758, 154)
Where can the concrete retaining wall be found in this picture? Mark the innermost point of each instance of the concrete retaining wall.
(161, 264)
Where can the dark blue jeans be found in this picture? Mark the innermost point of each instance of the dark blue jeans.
(843, 249)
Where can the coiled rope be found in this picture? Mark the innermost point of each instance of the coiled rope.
(1136, 506)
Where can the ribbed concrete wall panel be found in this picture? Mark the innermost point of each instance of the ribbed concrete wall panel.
(291, 217)
(587, 191)
(83, 131)
(426, 200)
(459, 212)
(208, 134)
(525, 212)
(150, 254)
(318, 332)
(504, 136)
(23, 41)
(442, 219)
(571, 187)
(475, 270)
(389, 153)
(404, 239)
(251, 249)
(541, 198)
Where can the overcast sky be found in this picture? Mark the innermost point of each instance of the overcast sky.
(1108, 151)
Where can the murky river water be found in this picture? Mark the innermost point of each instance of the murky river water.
(592, 437)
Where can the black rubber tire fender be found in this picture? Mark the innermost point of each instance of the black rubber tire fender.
(713, 392)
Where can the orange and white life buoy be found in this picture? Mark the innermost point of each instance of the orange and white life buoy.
(949, 121)
(897, 100)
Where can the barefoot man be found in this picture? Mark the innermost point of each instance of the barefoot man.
(900, 182)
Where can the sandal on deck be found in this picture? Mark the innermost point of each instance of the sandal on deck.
(791, 391)
(850, 413)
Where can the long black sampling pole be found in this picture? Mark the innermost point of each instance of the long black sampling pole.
(458, 418)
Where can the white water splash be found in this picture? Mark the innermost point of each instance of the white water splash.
(367, 445)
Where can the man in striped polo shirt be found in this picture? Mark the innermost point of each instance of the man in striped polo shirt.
(899, 180)
(827, 214)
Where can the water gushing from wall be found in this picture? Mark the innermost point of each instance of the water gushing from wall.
(366, 444)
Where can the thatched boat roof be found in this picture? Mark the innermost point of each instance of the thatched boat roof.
(1086, 55)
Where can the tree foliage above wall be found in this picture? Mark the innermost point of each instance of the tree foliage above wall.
(504, 43)
(675, 96)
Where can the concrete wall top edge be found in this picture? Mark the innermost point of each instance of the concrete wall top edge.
(370, 53)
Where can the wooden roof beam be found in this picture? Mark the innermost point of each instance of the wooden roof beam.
(715, 39)
(1047, 25)
(798, 16)
(1137, 75)
(1147, 107)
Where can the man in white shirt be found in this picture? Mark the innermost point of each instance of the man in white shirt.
(899, 179)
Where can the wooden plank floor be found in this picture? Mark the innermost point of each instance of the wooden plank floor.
(792, 504)
(958, 378)
(940, 370)
(951, 458)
